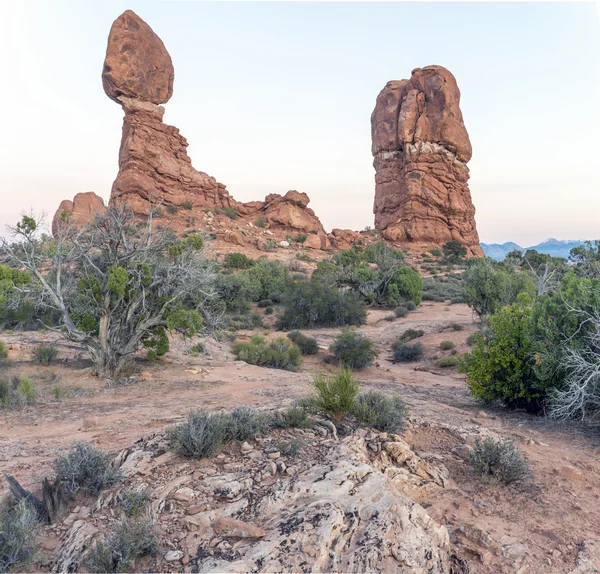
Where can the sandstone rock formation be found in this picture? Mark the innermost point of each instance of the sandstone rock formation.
(79, 211)
(154, 167)
(421, 149)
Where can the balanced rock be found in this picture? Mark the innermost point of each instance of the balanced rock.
(137, 64)
(421, 149)
(78, 212)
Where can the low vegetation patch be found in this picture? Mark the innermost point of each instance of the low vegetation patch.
(307, 345)
(446, 345)
(134, 501)
(336, 394)
(407, 352)
(354, 350)
(238, 261)
(446, 362)
(87, 469)
(17, 392)
(278, 354)
(411, 334)
(294, 417)
(401, 311)
(499, 461)
(375, 410)
(18, 525)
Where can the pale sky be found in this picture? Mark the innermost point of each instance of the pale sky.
(276, 96)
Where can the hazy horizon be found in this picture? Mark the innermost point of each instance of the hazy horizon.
(278, 96)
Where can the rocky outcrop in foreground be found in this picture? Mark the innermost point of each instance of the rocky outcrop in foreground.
(421, 149)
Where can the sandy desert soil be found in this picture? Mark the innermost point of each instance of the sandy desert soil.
(539, 528)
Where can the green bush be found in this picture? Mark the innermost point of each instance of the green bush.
(410, 305)
(278, 354)
(501, 365)
(250, 321)
(446, 362)
(3, 354)
(187, 205)
(335, 395)
(498, 461)
(237, 260)
(454, 251)
(202, 434)
(435, 252)
(134, 501)
(44, 354)
(401, 311)
(447, 345)
(315, 304)
(172, 209)
(264, 303)
(294, 417)
(406, 352)
(354, 350)
(373, 409)
(18, 526)
(247, 423)
(410, 334)
(307, 345)
(230, 212)
(86, 468)
(441, 289)
(269, 310)
(406, 285)
(118, 551)
(198, 348)
(17, 392)
(260, 222)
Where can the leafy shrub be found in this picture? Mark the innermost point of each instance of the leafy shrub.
(446, 362)
(501, 365)
(455, 327)
(454, 251)
(260, 222)
(264, 303)
(237, 260)
(247, 423)
(375, 410)
(335, 395)
(134, 500)
(3, 354)
(269, 310)
(435, 252)
(401, 311)
(18, 525)
(157, 344)
(294, 417)
(498, 460)
(410, 305)
(44, 354)
(315, 304)
(406, 352)
(17, 392)
(172, 209)
(278, 354)
(230, 212)
(202, 434)
(187, 205)
(128, 541)
(86, 468)
(446, 345)
(354, 350)
(307, 345)
(411, 334)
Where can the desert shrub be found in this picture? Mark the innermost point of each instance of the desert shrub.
(336, 394)
(230, 212)
(26, 391)
(157, 344)
(441, 289)
(187, 205)
(44, 354)
(247, 423)
(198, 348)
(86, 468)
(455, 327)
(410, 305)
(435, 252)
(298, 238)
(446, 345)
(293, 417)
(269, 310)
(354, 350)
(498, 460)
(264, 303)
(271, 277)
(17, 392)
(290, 447)
(315, 304)
(202, 434)
(401, 311)
(3, 354)
(407, 352)
(260, 222)
(18, 525)
(454, 251)
(501, 365)
(307, 345)
(375, 410)
(389, 318)
(446, 362)
(411, 334)
(237, 260)
(250, 321)
(134, 501)
(172, 209)
(472, 338)
(278, 354)
(129, 540)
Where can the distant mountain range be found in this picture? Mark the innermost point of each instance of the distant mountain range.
(554, 247)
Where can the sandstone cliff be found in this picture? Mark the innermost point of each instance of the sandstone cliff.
(421, 149)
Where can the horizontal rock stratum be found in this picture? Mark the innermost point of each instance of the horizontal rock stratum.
(421, 149)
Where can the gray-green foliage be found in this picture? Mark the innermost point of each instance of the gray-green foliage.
(307, 345)
(354, 350)
(44, 354)
(129, 540)
(280, 353)
(407, 352)
(335, 394)
(86, 468)
(18, 526)
(498, 460)
(17, 392)
(373, 409)
(134, 501)
(294, 417)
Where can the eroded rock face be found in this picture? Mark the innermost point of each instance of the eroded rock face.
(78, 212)
(421, 149)
(137, 64)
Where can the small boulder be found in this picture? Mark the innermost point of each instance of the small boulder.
(232, 528)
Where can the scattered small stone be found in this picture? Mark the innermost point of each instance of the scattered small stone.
(173, 555)
(274, 455)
